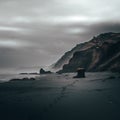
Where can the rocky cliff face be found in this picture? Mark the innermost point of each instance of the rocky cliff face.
(102, 53)
(66, 57)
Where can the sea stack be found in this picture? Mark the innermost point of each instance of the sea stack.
(42, 71)
(80, 73)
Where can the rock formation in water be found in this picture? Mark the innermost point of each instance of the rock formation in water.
(102, 53)
(42, 71)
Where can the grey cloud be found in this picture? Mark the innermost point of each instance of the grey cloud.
(48, 48)
(45, 29)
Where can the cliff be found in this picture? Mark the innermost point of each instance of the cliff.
(66, 57)
(102, 53)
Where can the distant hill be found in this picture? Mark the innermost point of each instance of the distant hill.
(102, 53)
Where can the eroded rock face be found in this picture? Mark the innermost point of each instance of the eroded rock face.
(100, 54)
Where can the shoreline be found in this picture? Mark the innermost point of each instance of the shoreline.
(21, 76)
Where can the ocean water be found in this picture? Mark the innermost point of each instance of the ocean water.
(5, 77)
(10, 73)
(8, 77)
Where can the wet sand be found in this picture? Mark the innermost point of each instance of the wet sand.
(60, 97)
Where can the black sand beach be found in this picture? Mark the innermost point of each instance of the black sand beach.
(60, 97)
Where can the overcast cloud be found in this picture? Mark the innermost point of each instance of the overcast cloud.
(38, 32)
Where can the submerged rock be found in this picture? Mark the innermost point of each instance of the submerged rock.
(80, 73)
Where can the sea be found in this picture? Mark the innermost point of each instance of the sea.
(13, 73)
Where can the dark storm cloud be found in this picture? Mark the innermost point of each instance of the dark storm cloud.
(106, 27)
(96, 29)
(37, 32)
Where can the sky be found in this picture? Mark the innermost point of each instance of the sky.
(39, 32)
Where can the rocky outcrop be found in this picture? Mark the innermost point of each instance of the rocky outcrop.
(80, 73)
(99, 54)
(42, 71)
